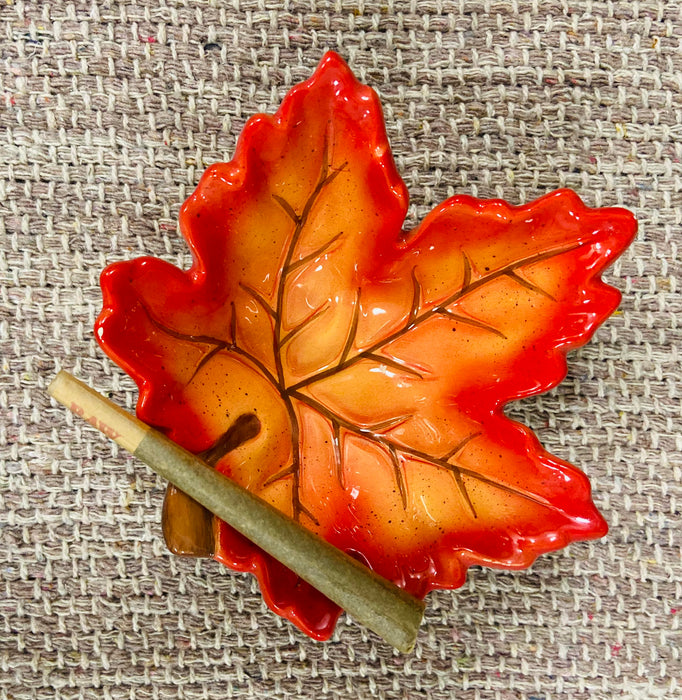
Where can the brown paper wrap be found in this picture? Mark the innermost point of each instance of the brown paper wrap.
(371, 600)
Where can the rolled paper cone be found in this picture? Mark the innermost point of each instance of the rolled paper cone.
(370, 599)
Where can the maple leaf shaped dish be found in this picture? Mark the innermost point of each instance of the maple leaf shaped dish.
(352, 374)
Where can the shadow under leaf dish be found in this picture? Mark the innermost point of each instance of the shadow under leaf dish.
(353, 374)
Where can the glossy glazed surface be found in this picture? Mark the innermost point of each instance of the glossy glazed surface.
(353, 374)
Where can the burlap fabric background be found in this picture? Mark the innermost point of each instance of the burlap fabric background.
(110, 112)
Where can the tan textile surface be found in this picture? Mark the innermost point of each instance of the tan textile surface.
(110, 112)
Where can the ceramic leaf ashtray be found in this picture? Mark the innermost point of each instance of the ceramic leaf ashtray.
(353, 374)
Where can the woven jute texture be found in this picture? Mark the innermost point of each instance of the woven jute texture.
(110, 112)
